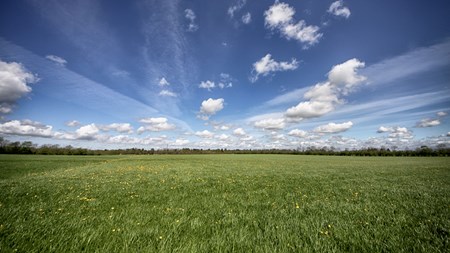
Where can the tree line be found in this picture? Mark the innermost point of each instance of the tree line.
(27, 147)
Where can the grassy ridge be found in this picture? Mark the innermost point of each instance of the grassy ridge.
(224, 203)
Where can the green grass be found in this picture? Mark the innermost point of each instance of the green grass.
(224, 203)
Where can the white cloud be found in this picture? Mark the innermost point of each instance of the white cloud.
(190, 15)
(207, 85)
(223, 85)
(280, 16)
(441, 114)
(308, 34)
(298, 133)
(225, 81)
(384, 129)
(210, 107)
(13, 84)
(239, 132)
(338, 9)
(431, 122)
(344, 75)
(247, 18)
(73, 123)
(234, 8)
(180, 142)
(398, 133)
(223, 137)
(118, 127)
(267, 65)
(428, 123)
(323, 97)
(87, 132)
(309, 109)
(332, 128)
(163, 82)
(56, 59)
(204, 134)
(155, 125)
(167, 93)
(271, 124)
(26, 128)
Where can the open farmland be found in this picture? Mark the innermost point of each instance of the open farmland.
(224, 203)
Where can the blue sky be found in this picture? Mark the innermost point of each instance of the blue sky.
(225, 74)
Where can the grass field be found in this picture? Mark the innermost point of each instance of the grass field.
(224, 203)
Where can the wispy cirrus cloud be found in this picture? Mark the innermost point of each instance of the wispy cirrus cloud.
(411, 63)
(169, 54)
(65, 85)
(56, 59)
(82, 24)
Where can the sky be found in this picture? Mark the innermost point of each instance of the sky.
(237, 74)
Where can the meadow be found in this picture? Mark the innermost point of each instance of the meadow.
(224, 203)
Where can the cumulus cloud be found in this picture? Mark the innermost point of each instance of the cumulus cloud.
(163, 82)
(298, 133)
(384, 129)
(56, 59)
(430, 122)
(396, 132)
(167, 93)
(338, 9)
(204, 134)
(344, 75)
(247, 18)
(190, 15)
(207, 85)
(271, 124)
(118, 127)
(26, 128)
(223, 137)
(225, 81)
(210, 107)
(309, 109)
(239, 132)
(223, 128)
(324, 97)
(332, 128)
(87, 132)
(73, 123)
(280, 17)
(155, 125)
(14, 80)
(180, 142)
(267, 65)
